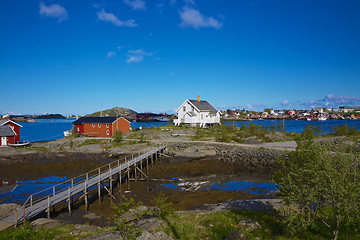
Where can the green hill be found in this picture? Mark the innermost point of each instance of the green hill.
(114, 112)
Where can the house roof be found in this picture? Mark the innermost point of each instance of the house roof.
(3, 122)
(6, 131)
(203, 106)
(83, 120)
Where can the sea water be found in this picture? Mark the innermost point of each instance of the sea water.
(48, 130)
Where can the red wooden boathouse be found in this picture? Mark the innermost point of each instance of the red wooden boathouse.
(9, 132)
(101, 126)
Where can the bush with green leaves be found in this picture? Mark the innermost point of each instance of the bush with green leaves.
(344, 130)
(321, 186)
(128, 228)
(163, 206)
(118, 136)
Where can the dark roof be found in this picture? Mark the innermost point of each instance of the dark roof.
(203, 106)
(95, 120)
(6, 131)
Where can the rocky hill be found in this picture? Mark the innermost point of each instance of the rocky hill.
(114, 112)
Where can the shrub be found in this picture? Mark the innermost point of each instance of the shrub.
(118, 136)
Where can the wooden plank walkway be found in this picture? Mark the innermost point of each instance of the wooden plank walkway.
(70, 188)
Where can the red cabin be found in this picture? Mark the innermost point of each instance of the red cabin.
(101, 126)
(9, 132)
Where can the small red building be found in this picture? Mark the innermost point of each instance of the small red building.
(9, 132)
(101, 126)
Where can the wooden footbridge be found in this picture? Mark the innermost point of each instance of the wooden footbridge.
(79, 186)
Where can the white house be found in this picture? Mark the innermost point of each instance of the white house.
(197, 113)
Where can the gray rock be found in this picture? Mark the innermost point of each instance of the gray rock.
(46, 223)
(156, 236)
(7, 209)
(249, 224)
(149, 224)
(236, 235)
(133, 214)
(108, 235)
(92, 216)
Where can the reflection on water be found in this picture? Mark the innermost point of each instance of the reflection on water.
(20, 192)
(237, 186)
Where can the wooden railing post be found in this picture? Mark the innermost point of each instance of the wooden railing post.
(48, 207)
(99, 187)
(85, 193)
(16, 218)
(24, 218)
(69, 201)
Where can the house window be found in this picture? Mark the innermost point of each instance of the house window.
(93, 124)
(107, 125)
(78, 129)
(107, 132)
(184, 108)
(99, 125)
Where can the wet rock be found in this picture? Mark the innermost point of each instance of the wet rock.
(249, 224)
(236, 235)
(46, 223)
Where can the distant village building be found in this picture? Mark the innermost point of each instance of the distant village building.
(349, 109)
(197, 113)
(101, 126)
(9, 132)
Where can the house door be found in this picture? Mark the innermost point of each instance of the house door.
(3, 141)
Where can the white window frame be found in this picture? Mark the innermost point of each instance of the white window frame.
(184, 108)
(93, 124)
(107, 125)
(107, 132)
(99, 125)
(78, 129)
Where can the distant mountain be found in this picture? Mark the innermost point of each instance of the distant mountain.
(114, 112)
(50, 116)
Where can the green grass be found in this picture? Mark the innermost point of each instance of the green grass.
(26, 232)
(218, 225)
(41, 149)
(92, 141)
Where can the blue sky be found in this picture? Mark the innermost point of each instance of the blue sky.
(78, 57)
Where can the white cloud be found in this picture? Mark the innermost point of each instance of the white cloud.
(191, 17)
(134, 59)
(111, 54)
(285, 102)
(138, 55)
(53, 10)
(109, 17)
(136, 4)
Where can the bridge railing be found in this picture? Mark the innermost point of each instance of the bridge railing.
(75, 181)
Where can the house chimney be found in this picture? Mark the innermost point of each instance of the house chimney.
(198, 98)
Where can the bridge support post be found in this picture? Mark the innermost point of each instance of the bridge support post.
(147, 166)
(135, 169)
